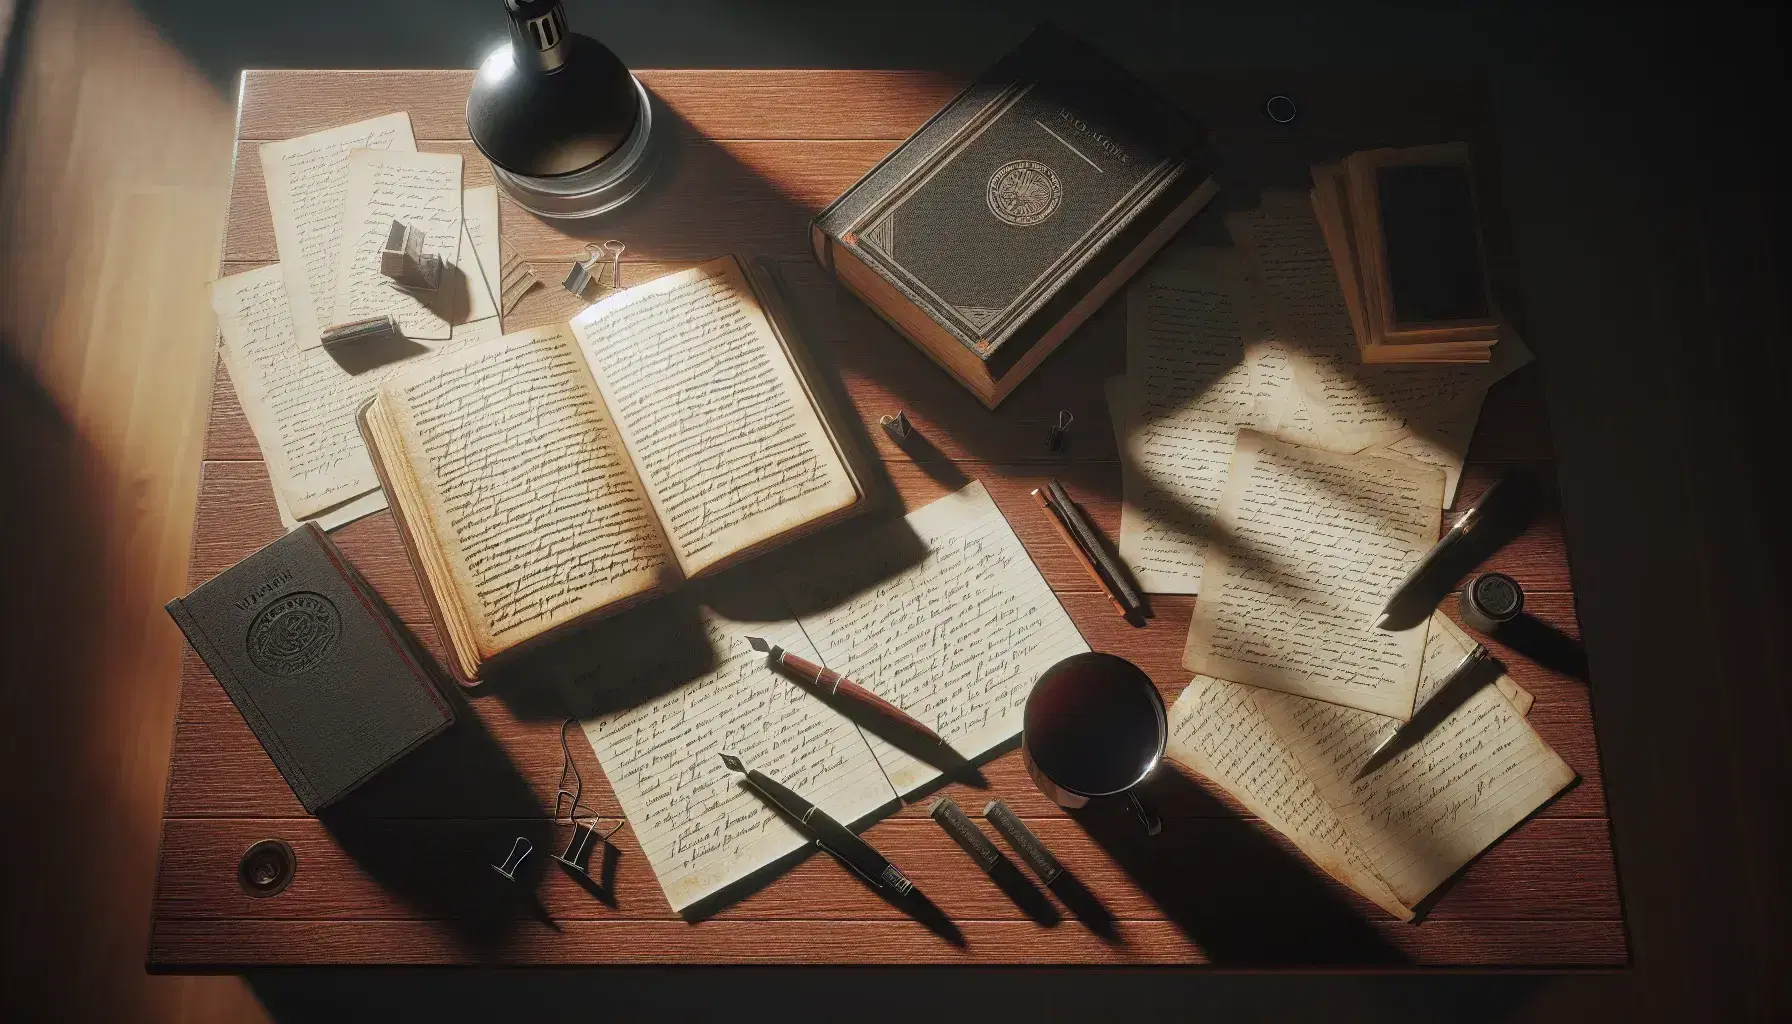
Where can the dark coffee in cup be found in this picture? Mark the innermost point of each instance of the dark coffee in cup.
(1094, 726)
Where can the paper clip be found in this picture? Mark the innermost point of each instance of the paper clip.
(579, 278)
(513, 861)
(585, 835)
(1060, 435)
(896, 426)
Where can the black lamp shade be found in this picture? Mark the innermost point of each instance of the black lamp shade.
(552, 102)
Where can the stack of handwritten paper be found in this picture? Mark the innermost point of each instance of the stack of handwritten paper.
(1398, 833)
(1267, 469)
(942, 614)
(333, 195)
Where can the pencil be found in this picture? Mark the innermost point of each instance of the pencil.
(1084, 533)
(1051, 514)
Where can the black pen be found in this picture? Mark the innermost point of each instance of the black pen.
(830, 835)
(1509, 496)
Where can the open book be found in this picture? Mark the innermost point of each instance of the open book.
(562, 473)
(941, 613)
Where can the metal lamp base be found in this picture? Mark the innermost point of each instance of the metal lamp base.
(597, 189)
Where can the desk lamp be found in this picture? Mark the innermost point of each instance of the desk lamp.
(565, 125)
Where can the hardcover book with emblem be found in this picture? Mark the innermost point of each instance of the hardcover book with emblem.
(315, 663)
(1012, 214)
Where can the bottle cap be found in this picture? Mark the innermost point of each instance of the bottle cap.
(1490, 600)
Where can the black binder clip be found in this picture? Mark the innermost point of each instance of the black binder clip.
(513, 861)
(579, 278)
(585, 834)
(403, 260)
(1060, 435)
(896, 426)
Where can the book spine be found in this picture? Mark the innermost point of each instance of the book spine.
(246, 706)
(381, 618)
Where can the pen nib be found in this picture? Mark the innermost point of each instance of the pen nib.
(733, 763)
(759, 643)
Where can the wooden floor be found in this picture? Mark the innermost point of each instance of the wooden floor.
(101, 417)
(104, 362)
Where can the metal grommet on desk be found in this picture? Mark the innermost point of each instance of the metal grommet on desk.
(267, 868)
(1490, 600)
(1280, 109)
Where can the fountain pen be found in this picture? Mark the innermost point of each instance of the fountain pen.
(830, 835)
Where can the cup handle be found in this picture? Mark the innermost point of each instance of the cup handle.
(1147, 816)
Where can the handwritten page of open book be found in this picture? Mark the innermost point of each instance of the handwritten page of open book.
(1315, 544)
(726, 440)
(1407, 827)
(421, 190)
(526, 487)
(690, 698)
(301, 403)
(307, 182)
(956, 640)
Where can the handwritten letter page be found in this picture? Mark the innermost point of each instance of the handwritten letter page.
(525, 486)
(300, 403)
(956, 641)
(423, 191)
(1314, 544)
(1422, 816)
(699, 826)
(1288, 261)
(479, 255)
(704, 396)
(1219, 730)
(1190, 389)
(307, 182)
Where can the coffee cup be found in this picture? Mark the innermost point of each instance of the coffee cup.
(1094, 727)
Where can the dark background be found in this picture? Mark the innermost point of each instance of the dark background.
(1640, 150)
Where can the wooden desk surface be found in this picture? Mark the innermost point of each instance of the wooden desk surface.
(758, 153)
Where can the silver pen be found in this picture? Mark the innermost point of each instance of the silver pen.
(1400, 736)
(1507, 487)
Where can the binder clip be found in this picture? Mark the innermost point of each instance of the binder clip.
(585, 834)
(896, 426)
(338, 337)
(404, 262)
(515, 280)
(513, 861)
(579, 278)
(1060, 435)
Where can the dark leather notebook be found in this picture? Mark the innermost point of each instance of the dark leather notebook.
(315, 663)
(1014, 212)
